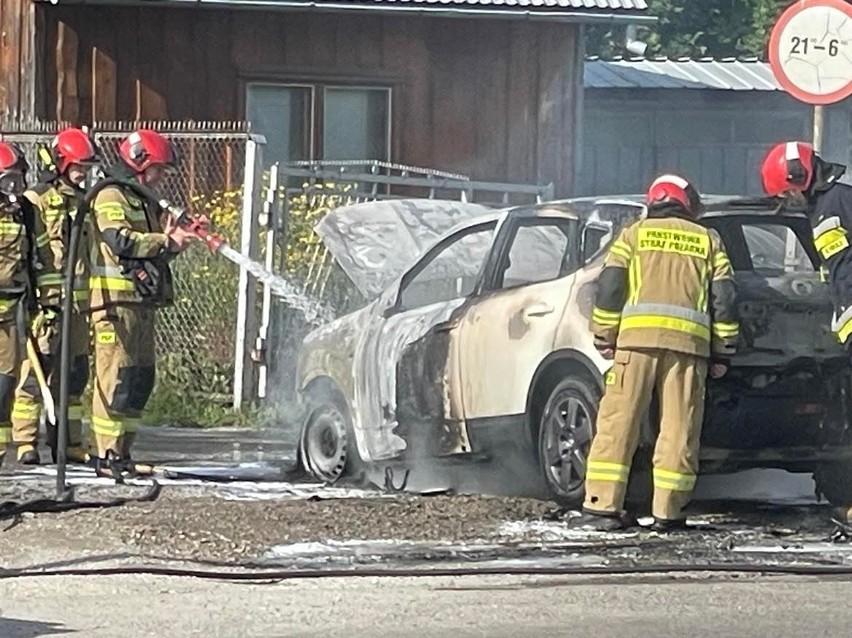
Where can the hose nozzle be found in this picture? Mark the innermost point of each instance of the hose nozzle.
(195, 225)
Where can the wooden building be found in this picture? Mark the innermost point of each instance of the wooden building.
(487, 88)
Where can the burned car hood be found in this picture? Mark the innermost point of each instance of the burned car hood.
(374, 242)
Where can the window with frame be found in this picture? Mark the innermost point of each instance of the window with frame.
(451, 272)
(320, 121)
(539, 252)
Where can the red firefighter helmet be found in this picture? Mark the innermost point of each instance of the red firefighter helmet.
(13, 169)
(145, 148)
(788, 167)
(668, 189)
(12, 158)
(73, 146)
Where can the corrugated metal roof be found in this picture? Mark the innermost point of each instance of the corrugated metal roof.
(728, 74)
(625, 5)
(590, 5)
(571, 10)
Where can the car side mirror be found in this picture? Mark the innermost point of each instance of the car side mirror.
(595, 236)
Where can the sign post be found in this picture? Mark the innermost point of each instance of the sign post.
(810, 52)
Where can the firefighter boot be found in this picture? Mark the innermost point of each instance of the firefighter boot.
(28, 454)
(667, 525)
(26, 413)
(609, 522)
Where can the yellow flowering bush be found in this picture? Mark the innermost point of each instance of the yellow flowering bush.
(196, 335)
(306, 258)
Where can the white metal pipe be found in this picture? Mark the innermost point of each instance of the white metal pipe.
(250, 182)
(271, 210)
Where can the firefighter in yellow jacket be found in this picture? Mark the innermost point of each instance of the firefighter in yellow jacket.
(665, 305)
(56, 199)
(130, 278)
(24, 257)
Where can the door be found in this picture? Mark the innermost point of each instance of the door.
(511, 328)
(406, 354)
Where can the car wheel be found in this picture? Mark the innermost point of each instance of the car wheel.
(565, 436)
(326, 447)
(834, 482)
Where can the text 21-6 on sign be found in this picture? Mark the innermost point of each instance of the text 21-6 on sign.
(811, 50)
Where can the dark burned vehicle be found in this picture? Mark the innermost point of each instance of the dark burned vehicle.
(474, 352)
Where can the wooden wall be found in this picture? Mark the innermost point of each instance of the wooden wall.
(17, 60)
(495, 99)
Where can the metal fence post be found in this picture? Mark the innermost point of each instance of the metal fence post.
(272, 221)
(246, 289)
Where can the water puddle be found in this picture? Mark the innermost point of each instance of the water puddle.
(395, 553)
(795, 548)
(245, 482)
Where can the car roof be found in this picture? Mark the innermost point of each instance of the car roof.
(714, 205)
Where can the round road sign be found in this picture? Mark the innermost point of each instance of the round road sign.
(811, 50)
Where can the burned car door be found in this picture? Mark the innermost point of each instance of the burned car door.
(510, 329)
(407, 349)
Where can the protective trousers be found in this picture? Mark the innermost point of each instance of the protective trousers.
(679, 380)
(124, 375)
(10, 359)
(28, 401)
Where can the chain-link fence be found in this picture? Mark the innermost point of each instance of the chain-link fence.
(196, 336)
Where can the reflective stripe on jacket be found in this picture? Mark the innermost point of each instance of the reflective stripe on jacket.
(123, 230)
(23, 257)
(667, 284)
(57, 204)
(831, 219)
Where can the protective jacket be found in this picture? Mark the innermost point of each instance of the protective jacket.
(830, 213)
(667, 284)
(25, 260)
(129, 252)
(56, 203)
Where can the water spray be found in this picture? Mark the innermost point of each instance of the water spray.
(315, 312)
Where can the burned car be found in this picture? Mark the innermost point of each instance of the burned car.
(475, 348)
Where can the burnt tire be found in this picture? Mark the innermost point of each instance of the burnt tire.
(834, 482)
(327, 448)
(565, 436)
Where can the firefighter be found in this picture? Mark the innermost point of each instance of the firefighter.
(130, 278)
(794, 171)
(24, 257)
(56, 199)
(665, 305)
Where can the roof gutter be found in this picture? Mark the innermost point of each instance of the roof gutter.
(580, 17)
